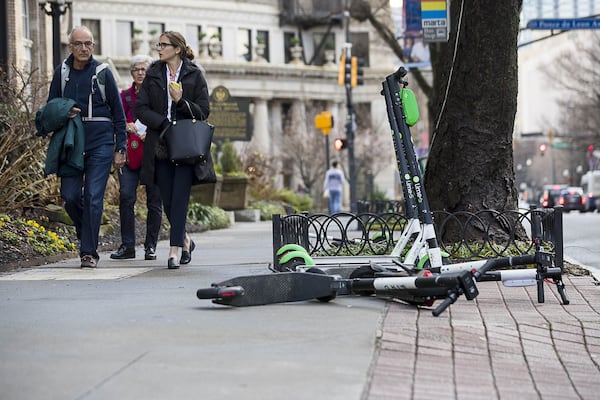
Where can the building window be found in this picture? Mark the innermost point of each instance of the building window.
(328, 44)
(330, 6)
(155, 29)
(26, 33)
(192, 35)
(287, 43)
(125, 31)
(94, 27)
(263, 37)
(213, 32)
(360, 46)
(244, 45)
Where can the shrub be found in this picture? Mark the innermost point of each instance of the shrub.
(22, 154)
(207, 216)
(230, 161)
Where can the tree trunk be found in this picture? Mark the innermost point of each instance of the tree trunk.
(470, 165)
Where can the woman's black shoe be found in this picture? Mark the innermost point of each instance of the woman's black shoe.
(123, 253)
(172, 264)
(186, 256)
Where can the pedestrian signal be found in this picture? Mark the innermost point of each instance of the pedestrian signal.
(340, 144)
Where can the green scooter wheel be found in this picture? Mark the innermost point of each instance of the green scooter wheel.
(289, 247)
(292, 259)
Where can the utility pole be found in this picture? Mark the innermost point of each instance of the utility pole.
(350, 117)
(55, 8)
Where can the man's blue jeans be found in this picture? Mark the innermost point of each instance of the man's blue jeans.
(84, 197)
(128, 184)
(335, 201)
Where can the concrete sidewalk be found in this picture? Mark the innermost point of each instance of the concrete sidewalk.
(502, 345)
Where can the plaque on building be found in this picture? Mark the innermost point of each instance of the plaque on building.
(230, 115)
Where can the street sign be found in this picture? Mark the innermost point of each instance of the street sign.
(561, 145)
(324, 122)
(564, 24)
(434, 20)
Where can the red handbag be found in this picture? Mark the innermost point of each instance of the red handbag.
(135, 151)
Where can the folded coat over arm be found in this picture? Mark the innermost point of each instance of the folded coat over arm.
(66, 148)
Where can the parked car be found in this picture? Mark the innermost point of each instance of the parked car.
(572, 198)
(590, 182)
(551, 194)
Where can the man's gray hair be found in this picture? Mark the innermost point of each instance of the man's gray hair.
(140, 58)
(80, 28)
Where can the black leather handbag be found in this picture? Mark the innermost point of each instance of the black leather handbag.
(189, 140)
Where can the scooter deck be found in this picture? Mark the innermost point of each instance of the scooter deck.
(282, 287)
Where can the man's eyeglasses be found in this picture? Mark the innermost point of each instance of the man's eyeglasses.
(162, 45)
(79, 44)
(139, 70)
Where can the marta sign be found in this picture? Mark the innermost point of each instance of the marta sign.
(564, 24)
(434, 20)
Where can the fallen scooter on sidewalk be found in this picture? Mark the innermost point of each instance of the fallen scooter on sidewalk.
(421, 278)
(313, 284)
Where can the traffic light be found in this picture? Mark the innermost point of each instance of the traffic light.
(345, 71)
(340, 144)
(356, 71)
(543, 148)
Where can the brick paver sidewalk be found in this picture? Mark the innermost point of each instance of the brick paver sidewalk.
(502, 345)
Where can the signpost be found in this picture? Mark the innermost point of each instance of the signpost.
(434, 19)
(564, 24)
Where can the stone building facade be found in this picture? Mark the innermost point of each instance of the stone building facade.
(248, 48)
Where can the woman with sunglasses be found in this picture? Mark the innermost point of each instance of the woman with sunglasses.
(170, 83)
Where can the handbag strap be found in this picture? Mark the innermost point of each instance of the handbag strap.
(174, 121)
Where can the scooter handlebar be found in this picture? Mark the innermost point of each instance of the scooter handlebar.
(401, 72)
(452, 296)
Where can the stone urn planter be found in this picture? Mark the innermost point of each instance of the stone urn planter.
(234, 193)
(329, 55)
(296, 54)
(259, 49)
(203, 52)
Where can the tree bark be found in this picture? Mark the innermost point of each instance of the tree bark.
(470, 164)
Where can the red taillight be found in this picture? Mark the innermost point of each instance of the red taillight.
(583, 200)
(561, 201)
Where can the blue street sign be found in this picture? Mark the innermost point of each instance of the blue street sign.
(564, 24)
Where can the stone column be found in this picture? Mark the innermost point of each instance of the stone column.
(261, 140)
(276, 119)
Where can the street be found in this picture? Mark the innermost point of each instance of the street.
(582, 238)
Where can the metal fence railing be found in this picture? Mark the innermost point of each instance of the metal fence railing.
(463, 235)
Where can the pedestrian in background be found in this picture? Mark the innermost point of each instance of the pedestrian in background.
(334, 183)
(129, 175)
(172, 84)
(103, 119)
